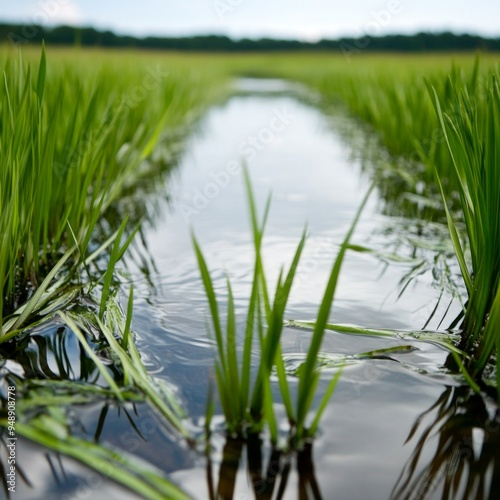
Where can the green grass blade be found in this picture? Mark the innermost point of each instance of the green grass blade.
(232, 355)
(137, 374)
(465, 373)
(324, 402)
(445, 340)
(212, 301)
(42, 72)
(128, 322)
(34, 301)
(113, 464)
(273, 335)
(83, 341)
(116, 254)
(284, 387)
(306, 378)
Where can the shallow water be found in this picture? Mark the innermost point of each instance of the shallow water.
(316, 178)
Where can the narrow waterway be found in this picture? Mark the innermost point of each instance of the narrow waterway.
(299, 156)
(395, 426)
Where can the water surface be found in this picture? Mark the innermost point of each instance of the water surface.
(303, 159)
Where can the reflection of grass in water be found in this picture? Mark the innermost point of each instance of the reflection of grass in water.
(266, 480)
(113, 372)
(248, 405)
(463, 431)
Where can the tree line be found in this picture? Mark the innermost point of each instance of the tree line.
(420, 42)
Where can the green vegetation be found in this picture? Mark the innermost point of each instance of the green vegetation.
(441, 128)
(245, 413)
(472, 134)
(76, 138)
(43, 411)
(399, 106)
(72, 140)
(445, 125)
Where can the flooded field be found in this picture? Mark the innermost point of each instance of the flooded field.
(386, 430)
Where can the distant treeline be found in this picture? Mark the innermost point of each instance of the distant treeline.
(66, 35)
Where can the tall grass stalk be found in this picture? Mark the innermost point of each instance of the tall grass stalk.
(472, 134)
(248, 404)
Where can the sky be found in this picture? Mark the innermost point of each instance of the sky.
(302, 19)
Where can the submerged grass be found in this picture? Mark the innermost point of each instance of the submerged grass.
(43, 413)
(44, 417)
(248, 405)
(114, 464)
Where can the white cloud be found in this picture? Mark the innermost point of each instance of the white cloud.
(69, 14)
(55, 12)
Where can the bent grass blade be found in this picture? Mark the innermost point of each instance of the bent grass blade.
(444, 340)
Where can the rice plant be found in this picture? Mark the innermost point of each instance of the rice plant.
(440, 123)
(397, 107)
(248, 404)
(472, 134)
(44, 410)
(72, 138)
(44, 416)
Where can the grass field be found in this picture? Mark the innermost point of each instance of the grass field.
(73, 138)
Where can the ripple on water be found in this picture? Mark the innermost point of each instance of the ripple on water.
(315, 179)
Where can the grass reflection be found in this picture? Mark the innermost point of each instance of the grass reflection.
(463, 429)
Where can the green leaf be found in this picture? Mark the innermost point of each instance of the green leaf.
(42, 71)
(307, 376)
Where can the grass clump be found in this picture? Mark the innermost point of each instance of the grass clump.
(445, 124)
(248, 404)
(73, 138)
(46, 409)
(472, 134)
